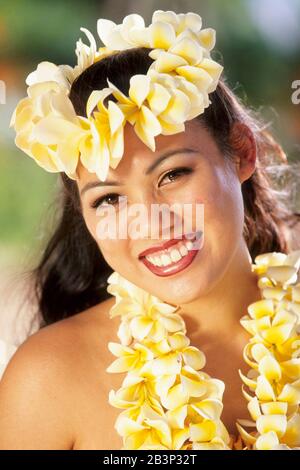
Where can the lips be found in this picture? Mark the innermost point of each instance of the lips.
(174, 267)
(164, 246)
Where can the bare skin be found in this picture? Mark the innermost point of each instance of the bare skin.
(81, 385)
(58, 376)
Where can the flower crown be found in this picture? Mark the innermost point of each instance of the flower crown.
(175, 89)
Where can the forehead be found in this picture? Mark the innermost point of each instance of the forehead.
(137, 155)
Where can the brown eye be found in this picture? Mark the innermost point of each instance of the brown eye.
(99, 201)
(173, 174)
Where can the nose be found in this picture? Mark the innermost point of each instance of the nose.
(153, 218)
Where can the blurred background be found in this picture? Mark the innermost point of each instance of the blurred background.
(258, 41)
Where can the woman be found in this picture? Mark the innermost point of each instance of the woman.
(57, 387)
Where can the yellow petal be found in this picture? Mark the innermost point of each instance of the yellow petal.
(196, 75)
(163, 384)
(161, 35)
(264, 390)
(261, 308)
(172, 322)
(247, 438)
(270, 368)
(207, 38)
(168, 364)
(162, 429)
(116, 147)
(179, 436)
(149, 121)
(247, 381)
(135, 440)
(214, 69)
(291, 393)
(178, 340)
(283, 316)
(166, 17)
(189, 49)
(274, 408)
(176, 397)
(177, 416)
(276, 293)
(193, 388)
(209, 408)
(121, 97)
(258, 351)
(170, 129)
(139, 88)
(276, 423)
(167, 62)
(292, 434)
(122, 364)
(44, 157)
(296, 293)
(158, 98)
(140, 327)
(277, 334)
(267, 441)
(291, 368)
(281, 274)
(95, 97)
(177, 109)
(202, 432)
(194, 358)
(270, 259)
(189, 21)
(68, 154)
(51, 130)
(115, 116)
(126, 426)
(254, 408)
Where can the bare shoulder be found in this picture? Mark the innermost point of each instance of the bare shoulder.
(38, 395)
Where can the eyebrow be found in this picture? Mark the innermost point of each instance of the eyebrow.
(170, 153)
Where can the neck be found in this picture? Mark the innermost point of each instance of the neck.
(215, 317)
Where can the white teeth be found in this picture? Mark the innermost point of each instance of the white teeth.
(157, 261)
(175, 255)
(189, 245)
(166, 259)
(183, 250)
(172, 254)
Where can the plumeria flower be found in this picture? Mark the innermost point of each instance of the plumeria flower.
(49, 72)
(142, 426)
(49, 130)
(143, 314)
(267, 260)
(267, 323)
(128, 358)
(106, 147)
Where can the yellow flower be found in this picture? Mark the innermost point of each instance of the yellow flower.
(48, 129)
(105, 146)
(128, 358)
(142, 314)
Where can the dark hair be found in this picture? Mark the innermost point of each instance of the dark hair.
(71, 275)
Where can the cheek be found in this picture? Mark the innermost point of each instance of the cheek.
(223, 207)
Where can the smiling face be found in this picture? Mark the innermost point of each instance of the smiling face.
(205, 177)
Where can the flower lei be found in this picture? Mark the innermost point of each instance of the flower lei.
(175, 89)
(169, 402)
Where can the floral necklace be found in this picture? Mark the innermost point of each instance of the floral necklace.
(169, 402)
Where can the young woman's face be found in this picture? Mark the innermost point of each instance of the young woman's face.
(205, 177)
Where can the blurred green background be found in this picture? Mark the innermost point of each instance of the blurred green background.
(258, 40)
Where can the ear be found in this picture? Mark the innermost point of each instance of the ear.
(243, 144)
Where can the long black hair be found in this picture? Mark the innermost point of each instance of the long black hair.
(72, 273)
